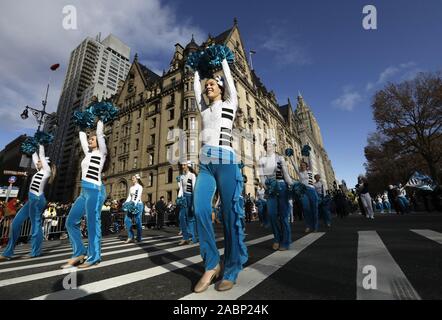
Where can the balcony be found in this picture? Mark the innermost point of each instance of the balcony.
(189, 111)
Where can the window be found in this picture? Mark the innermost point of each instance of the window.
(126, 131)
(150, 180)
(135, 163)
(150, 160)
(186, 87)
(115, 151)
(192, 123)
(124, 148)
(153, 123)
(192, 104)
(137, 143)
(168, 152)
(186, 124)
(186, 104)
(170, 134)
(113, 167)
(247, 96)
(171, 114)
(169, 175)
(149, 197)
(192, 145)
(152, 139)
(116, 135)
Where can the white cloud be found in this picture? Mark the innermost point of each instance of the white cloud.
(32, 39)
(348, 100)
(402, 71)
(285, 46)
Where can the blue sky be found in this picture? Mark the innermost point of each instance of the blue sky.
(316, 47)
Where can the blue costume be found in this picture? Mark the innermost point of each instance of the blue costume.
(135, 194)
(32, 209)
(219, 170)
(309, 200)
(273, 169)
(262, 207)
(323, 203)
(186, 185)
(90, 201)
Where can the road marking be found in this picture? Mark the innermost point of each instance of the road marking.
(256, 273)
(60, 272)
(111, 283)
(430, 234)
(50, 263)
(120, 245)
(392, 284)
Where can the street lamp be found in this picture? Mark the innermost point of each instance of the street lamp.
(24, 114)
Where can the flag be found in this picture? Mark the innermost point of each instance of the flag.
(420, 181)
(55, 66)
(252, 51)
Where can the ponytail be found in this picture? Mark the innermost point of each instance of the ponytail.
(53, 173)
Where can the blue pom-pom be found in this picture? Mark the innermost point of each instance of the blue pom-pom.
(130, 208)
(289, 152)
(306, 150)
(85, 119)
(29, 146)
(298, 188)
(205, 62)
(43, 138)
(273, 188)
(178, 179)
(106, 111)
(241, 165)
(181, 202)
(193, 60)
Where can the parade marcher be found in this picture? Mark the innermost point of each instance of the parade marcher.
(186, 184)
(135, 194)
(219, 170)
(160, 208)
(33, 208)
(324, 201)
(402, 198)
(261, 204)
(89, 202)
(273, 170)
(386, 203)
(379, 204)
(362, 187)
(309, 199)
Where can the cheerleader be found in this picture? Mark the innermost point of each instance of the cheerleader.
(323, 201)
(219, 170)
(33, 208)
(135, 193)
(309, 199)
(273, 170)
(186, 186)
(89, 202)
(261, 204)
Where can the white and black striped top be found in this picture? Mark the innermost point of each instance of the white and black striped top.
(39, 180)
(217, 119)
(306, 177)
(186, 183)
(279, 175)
(135, 193)
(273, 167)
(93, 162)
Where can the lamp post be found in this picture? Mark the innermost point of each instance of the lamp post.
(41, 116)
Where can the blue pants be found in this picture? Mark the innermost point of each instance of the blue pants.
(89, 202)
(222, 174)
(325, 212)
(403, 202)
(278, 210)
(387, 206)
(137, 217)
(187, 220)
(310, 207)
(262, 211)
(32, 210)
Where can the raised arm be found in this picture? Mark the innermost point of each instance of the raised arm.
(100, 138)
(201, 104)
(232, 97)
(42, 156)
(180, 186)
(285, 172)
(35, 159)
(83, 142)
(262, 177)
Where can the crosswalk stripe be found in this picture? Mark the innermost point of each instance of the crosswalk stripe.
(256, 273)
(137, 247)
(54, 273)
(381, 271)
(100, 286)
(120, 244)
(68, 247)
(430, 234)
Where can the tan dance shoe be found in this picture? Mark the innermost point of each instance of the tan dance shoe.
(203, 286)
(225, 285)
(74, 262)
(86, 265)
(275, 246)
(129, 241)
(3, 258)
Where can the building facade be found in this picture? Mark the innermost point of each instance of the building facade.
(95, 68)
(159, 125)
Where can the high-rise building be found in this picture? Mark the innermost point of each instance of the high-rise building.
(95, 69)
(158, 116)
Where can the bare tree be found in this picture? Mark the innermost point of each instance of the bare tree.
(410, 113)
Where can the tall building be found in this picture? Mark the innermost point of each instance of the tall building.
(159, 125)
(95, 69)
